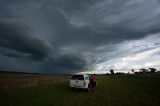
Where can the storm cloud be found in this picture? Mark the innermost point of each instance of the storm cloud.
(63, 36)
(18, 37)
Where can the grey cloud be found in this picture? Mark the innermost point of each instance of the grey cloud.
(8, 63)
(97, 29)
(119, 53)
(10, 53)
(102, 20)
(89, 22)
(17, 36)
(66, 63)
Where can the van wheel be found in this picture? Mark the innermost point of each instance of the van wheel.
(90, 85)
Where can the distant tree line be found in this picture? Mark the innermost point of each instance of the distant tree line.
(142, 71)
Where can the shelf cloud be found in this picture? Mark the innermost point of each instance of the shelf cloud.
(76, 35)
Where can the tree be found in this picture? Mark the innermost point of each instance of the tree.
(112, 71)
(132, 70)
(152, 70)
(107, 74)
(144, 70)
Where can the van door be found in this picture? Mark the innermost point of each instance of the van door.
(80, 81)
(87, 81)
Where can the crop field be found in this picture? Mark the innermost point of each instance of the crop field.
(121, 90)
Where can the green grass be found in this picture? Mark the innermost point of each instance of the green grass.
(111, 91)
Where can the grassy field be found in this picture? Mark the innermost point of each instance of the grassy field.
(111, 91)
(11, 81)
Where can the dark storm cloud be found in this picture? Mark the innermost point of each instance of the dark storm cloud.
(68, 63)
(87, 22)
(92, 28)
(91, 23)
(95, 23)
(17, 40)
(17, 36)
(10, 53)
(64, 64)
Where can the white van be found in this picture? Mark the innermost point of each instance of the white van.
(80, 81)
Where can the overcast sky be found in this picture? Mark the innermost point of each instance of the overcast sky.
(66, 36)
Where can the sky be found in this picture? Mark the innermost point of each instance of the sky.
(68, 36)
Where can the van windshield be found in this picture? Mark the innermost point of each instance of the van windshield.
(77, 77)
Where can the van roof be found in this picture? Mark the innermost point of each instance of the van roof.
(80, 74)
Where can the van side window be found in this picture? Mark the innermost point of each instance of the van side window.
(87, 78)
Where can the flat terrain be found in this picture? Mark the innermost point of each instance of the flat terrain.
(131, 90)
(11, 81)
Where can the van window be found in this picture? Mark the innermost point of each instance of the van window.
(87, 78)
(77, 77)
